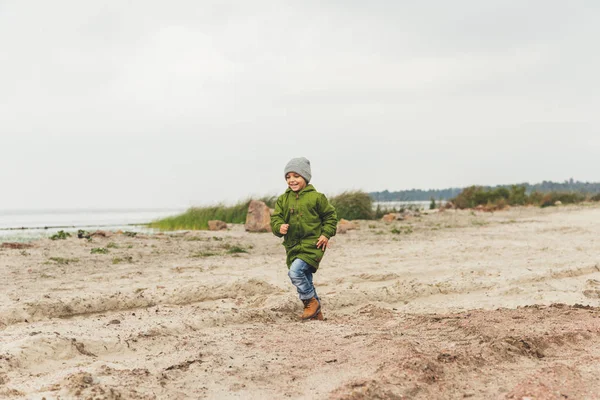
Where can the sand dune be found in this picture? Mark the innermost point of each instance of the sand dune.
(464, 305)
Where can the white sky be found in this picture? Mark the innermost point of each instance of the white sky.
(168, 104)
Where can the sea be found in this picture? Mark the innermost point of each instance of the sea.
(27, 225)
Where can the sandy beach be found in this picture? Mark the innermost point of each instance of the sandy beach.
(452, 305)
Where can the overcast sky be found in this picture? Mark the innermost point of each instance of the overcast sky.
(111, 104)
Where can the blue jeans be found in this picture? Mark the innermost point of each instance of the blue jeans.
(301, 275)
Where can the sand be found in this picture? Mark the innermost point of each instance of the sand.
(459, 304)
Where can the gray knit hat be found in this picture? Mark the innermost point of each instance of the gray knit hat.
(299, 165)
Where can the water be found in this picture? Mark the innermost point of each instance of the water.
(388, 205)
(24, 225)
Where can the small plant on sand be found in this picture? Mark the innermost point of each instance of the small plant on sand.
(81, 234)
(63, 261)
(202, 254)
(130, 234)
(118, 260)
(99, 250)
(403, 229)
(236, 250)
(195, 239)
(112, 245)
(60, 235)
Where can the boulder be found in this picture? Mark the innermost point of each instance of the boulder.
(101, 234)
(216, 225)
(558, 203)
(258, 218)
(391, 217)
(411, 213)
(345, 226)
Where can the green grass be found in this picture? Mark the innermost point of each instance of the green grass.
(99, 250)
(196, 218)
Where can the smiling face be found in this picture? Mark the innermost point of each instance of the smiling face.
(295, 181)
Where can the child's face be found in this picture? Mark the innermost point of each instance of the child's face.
(295, 181)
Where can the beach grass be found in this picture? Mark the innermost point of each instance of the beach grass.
(196, 218)
(353, 205)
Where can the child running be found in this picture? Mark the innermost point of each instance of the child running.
(306, 220)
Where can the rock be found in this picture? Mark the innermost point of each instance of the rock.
(14, 245)
(558, 203)
(258, 218)
(411, 213)
(391, 217)
(216, 225)
(101, 234)
(345, 226)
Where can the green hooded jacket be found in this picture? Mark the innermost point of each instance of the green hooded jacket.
(309, 215)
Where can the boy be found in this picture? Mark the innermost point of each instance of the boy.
(307, 221)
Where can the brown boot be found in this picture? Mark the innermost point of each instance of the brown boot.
(319, 316)
(311, 308)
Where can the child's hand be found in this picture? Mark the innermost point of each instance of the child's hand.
(284, 228)
(323, 243)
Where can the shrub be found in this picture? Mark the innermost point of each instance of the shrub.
(595, 197)
(353, 205)
(517, 196)
(536, 198)
(549, 199)
(60, 235)
(467, 198)
(495, 199)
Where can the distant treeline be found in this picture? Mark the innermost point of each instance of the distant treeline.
(450, 193)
